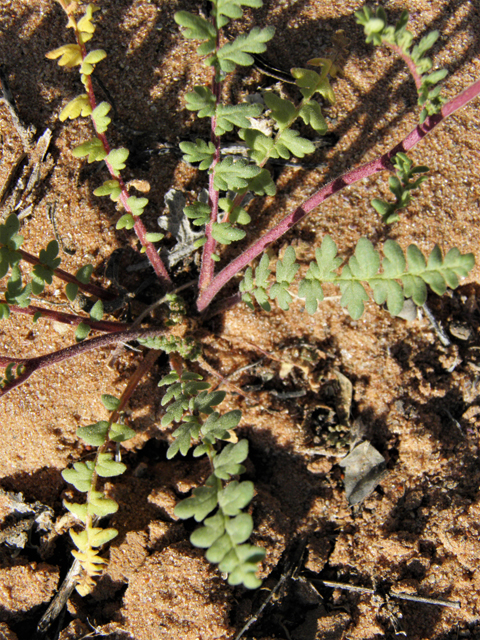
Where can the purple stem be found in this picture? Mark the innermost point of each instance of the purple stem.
(40, 362)
(381, 163)
(412, 67)
(68, 318)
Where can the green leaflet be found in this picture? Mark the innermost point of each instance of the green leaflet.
(198, 151)
(202, 502)
(93, 148)
(16, 292)
(238, 52)
(201, 99)
(234, 173)
(232, 9)
(290, 142)
(228, 116)
(285, 274)
(82, 331)
(195, 27)
(100, 118)
(282, 111)
(224, 233)
(96, 312)
(136, 205)
(109, 188)
(257, 286)
(392, 279)
(117, 158)
(79, 106)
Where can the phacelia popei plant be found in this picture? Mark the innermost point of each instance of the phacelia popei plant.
(267, 131)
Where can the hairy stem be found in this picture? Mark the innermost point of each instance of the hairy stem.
(30, 365)
(375, 166)
(68, 318)
(408, 61)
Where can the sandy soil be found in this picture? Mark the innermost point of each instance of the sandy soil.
(418, 400)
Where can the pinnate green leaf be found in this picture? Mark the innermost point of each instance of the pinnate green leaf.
(202, 502)
(237, 52)
(117, 158)
(291, 142)
(94, 434)
(235, 497)
(106, 467)
(120, 432)
(195, 27)
(282, 111)
(100, 118)
(201, 99)
(109, 188)
(224, 233)
(80, 476)
(93, 148)
(136, 205)
(228, 116)
(79, 106)
(227, 462)
(234, 174)
(198, 151)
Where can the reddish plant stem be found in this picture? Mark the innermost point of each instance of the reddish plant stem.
(408, 61)
(40, 362)
(93, 289)
(208, 265)
(138, 227)
(69, 318)
(381, 163)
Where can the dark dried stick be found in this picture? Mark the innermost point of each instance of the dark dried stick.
(401, 596)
